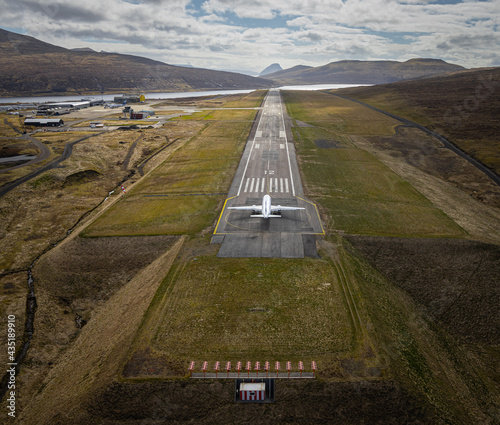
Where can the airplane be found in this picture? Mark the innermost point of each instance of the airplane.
(267, 210)
(112, 105)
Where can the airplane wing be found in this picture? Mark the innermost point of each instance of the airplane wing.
(247, 208)
(280, 208)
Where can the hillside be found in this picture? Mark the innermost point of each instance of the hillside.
(31, 67)
(364, 72)
(463, 107)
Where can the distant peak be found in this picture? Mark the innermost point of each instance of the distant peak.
(275, 67)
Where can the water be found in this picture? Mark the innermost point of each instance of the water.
(110, 97)
(165, 95)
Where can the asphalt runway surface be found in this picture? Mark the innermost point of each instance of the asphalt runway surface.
(268, 166)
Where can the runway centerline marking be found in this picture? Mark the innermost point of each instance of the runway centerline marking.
(251, 150)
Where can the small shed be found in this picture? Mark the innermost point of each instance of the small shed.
(252, 391)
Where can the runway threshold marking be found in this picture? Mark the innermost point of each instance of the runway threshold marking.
(257, 185)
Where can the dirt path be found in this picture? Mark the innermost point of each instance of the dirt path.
(131, 152)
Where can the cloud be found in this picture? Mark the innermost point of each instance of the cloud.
(257, 9)
(239, 34)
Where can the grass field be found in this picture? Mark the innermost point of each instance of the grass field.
(359, 193)
(253, 309)
(251, 100)
(202, 168)
(5, 129)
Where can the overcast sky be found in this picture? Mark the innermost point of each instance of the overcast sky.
(249, 35)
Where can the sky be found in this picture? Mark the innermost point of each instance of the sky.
(249, 35)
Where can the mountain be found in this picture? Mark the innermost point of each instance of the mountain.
(364, 72)
(83, 49)
(275, 67)
(32, 67)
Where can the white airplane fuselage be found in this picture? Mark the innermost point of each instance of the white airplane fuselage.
(266, 206)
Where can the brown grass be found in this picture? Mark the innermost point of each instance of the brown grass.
(462, 107)
(104, 338)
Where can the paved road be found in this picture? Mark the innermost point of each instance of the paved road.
(68, 150)
(481, 167)
(42, 156)
(268, 166)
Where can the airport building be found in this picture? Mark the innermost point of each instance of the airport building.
(67, 105)
(141, 114)
(44, 122)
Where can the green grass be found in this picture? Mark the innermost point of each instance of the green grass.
(336, 114)
(251, 100)
(359, 193)
(253, 309)
(406, 340)
(171, 215)
(219, 115)
(204, 166)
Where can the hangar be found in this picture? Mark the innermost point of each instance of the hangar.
(44, 122)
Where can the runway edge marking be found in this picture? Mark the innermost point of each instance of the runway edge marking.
(222, 213)
(317, 213)
(286, 144)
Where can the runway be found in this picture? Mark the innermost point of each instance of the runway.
(268, 166)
